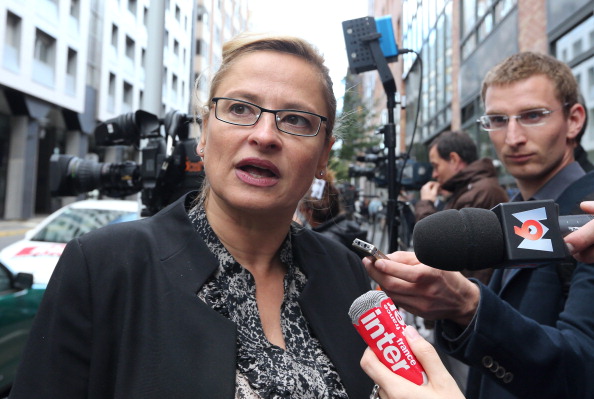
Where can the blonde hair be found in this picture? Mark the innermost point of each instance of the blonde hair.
(246, 43)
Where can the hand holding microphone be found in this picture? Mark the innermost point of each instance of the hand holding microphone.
(423, 290)
(581, 242)
(515, 234)
(381, 326)
(440, 384)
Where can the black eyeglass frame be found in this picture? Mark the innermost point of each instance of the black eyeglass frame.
(272, 111)
(546, 113)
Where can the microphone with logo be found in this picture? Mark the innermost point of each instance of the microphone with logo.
(381, 326)
(514, 234)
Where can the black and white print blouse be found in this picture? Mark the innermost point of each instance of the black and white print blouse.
(265, 370)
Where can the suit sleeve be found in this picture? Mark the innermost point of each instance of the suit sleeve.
(56, 359)
(527, 358)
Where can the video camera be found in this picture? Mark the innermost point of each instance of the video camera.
(414, 176)
(170, 166)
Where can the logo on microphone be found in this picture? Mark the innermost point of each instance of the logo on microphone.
(532, 231)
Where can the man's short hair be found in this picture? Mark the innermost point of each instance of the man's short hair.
(458, 142)
(524, 65)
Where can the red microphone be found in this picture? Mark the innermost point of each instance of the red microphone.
(377, 320)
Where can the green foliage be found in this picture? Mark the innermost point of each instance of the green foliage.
(355, 130)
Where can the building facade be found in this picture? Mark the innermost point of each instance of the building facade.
(458, 41)
(217, 21)
(67, 65)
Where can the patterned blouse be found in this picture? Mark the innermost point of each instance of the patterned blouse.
(265, 370)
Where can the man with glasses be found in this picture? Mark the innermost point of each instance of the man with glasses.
(530, 333)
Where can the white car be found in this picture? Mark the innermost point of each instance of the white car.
(39, 251)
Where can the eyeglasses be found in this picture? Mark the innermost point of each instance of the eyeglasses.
(244, 113)
(533, 117)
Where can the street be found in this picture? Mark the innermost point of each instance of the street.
(14, 230)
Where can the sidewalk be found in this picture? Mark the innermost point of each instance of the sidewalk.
(18, 227)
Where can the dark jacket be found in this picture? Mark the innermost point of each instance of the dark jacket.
(121, 319)
(475, 186)
(528, 338)
(342, 230)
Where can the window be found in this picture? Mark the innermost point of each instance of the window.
(75, 8)
(114, 36)
(5, 282)
(71, 71)
(133, 6)
(590, 88)
(176, 47)
(128, 97)
(44, 47)
(479, 18)
(577, 47)
(111, 93)
(44, 59)
(12, 42)
(129, 47)
(174, 87)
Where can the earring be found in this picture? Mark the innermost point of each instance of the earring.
(321, 173)
(202, 151)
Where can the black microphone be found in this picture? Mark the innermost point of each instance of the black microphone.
(514, 234)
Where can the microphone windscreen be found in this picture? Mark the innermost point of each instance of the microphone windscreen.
(369, 300)
(471, 238)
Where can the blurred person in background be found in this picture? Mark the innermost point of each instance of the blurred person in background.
(322, 210)
(467, 180)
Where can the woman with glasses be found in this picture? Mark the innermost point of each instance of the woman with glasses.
(218, 295)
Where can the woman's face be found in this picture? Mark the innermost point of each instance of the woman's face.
(259, 168)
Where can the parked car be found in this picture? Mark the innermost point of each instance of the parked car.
(39, 251)
(19, 300)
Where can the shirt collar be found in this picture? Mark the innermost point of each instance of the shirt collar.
(557, 184)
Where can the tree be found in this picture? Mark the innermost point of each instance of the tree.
(354, 129)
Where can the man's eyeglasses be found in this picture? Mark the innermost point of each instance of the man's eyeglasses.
(533, 117)
(244, 113)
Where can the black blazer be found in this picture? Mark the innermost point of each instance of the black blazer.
(121, 319)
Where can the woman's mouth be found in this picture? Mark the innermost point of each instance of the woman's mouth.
(257, 172)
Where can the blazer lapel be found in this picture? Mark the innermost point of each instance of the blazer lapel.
(209, 339)
(325, 305)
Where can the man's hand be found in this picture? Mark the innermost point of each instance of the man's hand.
(581, 242)
(430, 191)
(424, 291)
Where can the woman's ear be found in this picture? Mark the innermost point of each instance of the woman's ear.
(324, 158)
